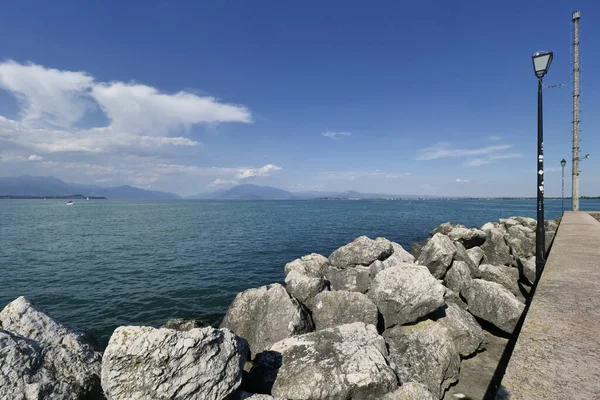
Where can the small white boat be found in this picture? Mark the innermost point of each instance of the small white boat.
(70, 203)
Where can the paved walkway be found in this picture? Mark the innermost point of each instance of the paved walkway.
(557, 354)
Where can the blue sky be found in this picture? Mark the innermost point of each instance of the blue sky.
(428, 97)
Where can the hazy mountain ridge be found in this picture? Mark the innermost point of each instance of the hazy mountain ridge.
(50, 186)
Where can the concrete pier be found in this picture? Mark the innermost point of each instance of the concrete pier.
(557, 354)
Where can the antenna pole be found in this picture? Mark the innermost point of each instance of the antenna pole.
(575, 192)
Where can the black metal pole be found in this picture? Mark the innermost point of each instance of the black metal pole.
(540, 232)
(562, 196)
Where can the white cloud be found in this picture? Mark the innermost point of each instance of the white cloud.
(462, 180)
(445, 150)
(223, 182)
(34, 157)
(333, 135)
(48, 97)
(267, 170)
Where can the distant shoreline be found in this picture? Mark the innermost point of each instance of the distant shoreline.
(70, 197)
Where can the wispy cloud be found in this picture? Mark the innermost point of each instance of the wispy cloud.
(267, 170)
(223, 183)
(490, 159)
(462, 180)
(446, 150)
(334, 135)
(353, 175)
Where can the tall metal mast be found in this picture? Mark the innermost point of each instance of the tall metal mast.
(575, 192)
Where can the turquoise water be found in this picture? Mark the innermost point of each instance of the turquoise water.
(100, 264)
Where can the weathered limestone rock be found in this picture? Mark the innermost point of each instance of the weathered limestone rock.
(313, 265)
(141, 362)
(451, 296)
(241, 395)
(509, 222)
(496, 250)
(348, 361)
(362, 251)
(437, 255)
(410, 391)
(355, 279)
(180, 324)
(458, 276)
(464, 330)
(476, 255)
(526, 221)
(266, 315)
(506, 276)
(528, 266)
(490, 225)
(331, 309)
(462, 254)
(444, 229)
(40, 358)
(467, 237)
(399, 258)
(304, 287)
(425, 353)
(404, 294)
(494, 303)
(521, 240)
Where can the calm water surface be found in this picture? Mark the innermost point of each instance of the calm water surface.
(100, 264)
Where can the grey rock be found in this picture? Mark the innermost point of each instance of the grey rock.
(345, 362)
(415, 248)
(405, 294)
(52, 361)
(355, 279)
(444, 229)
(362, 251)
(476, 255)
(437, 255)
(425, 353)
(496, 250)
(242, 395)
(451, 297)
(180, 324)
(313, 265)
(410, 391)
(526, 221)
(462, 254)
(490, 225)
(304, 287)
(529, 271)
(493, 303)
(467, 237)
(331, 309)
(464, 330)
(509, 222)
(266, 315)
(521, 240)
(550, 225)
(399, 258)
(142, 362)
(506, 276)
(458, 276)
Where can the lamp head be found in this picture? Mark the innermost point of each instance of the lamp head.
(541, 63)
(563, 162)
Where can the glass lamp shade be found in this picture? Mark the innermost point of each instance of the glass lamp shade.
(563, 162)
(541, 62)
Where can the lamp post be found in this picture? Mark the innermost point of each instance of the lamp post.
(541, 65)
(563, 162)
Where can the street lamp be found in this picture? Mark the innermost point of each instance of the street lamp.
(541, 65)
(563, 162)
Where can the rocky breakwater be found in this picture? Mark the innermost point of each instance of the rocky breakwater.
(371, 321)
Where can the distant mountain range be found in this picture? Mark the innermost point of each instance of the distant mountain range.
(50, 186)
(255, 192)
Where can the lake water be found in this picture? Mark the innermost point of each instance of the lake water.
(101, 264)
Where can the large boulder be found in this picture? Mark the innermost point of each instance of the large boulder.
(331, 309)
(243, 395)
(180, 324)
(453, 297)
(313, 265)
(528, 269)
(437, 255)
(345, 362)
(305, 276)
(467, 237)
(495, 248)
(266, 315)
(476, 255)
(142, 362)
(464, 330)
(410, 391)
(362, 251)
(397, 259)
(405, 294)
(41, 358)
(530, 223)
(458, 276)
(521, 240)
(506, 276)
(353, 279)
(493, 303)
(425, 353)
(462, 254)
(444, 229)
